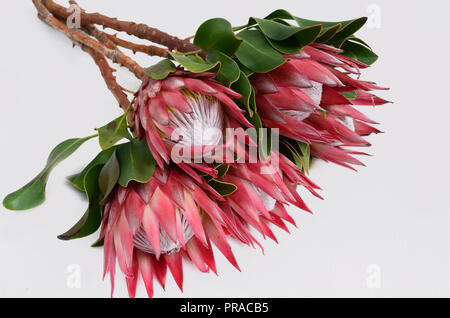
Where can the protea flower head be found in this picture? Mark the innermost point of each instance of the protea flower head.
(148, 227)
(306, 99)
(185, 110)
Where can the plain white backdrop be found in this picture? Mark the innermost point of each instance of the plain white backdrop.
(381, 232)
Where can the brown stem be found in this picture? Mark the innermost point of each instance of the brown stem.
(79, 37)
(110, 80)
(140, 30)
(151, 50)
(105, 69)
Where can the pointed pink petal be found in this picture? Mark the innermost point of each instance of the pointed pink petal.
(134, 210)
(151, 227)
(195, 254)
(193, 217)
(132, 279)
(219, 241)
(159, 269)
(145, 267)
(199, 86)
(175, 263)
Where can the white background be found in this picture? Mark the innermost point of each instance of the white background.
(394, 213)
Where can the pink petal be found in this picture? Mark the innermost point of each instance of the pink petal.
(176, 267)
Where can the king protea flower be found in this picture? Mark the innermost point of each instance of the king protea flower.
(303, 98)
(186, 110)
(149, 227)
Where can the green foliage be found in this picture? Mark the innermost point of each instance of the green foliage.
(78, 179)
(243, 87)
(131, 161)
(113, 132)
(223, 188)
(33, 193)
(160, 70)
(136, 162)
(259, 45)
(359, 52)
(109, 175)
(92, 218)
(229, 70)
(195, 63)
(217, 34)
(256, 53)
(298, 152)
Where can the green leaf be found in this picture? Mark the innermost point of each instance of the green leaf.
(349, 95)
(222, 169)
(102, 158)
(92, 218)
(288, 46)
(136, 162)
(287, 38)
(349, 28)
(33, 193)
(99, 243)
(280, 31)
(359, 52)
(280, 14)
(331, 31)
(297, 152)
(217, 34)
(355, 39)
(160, 70)
(264, 147)
(256, 53)
(195, 63)
(243, 87)
(229, 70)
(109, 175)
(114, 131)
(223, 188)
(248, 72)
(306, 157)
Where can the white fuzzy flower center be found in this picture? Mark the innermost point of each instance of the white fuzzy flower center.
(203, 126)
(167, 246)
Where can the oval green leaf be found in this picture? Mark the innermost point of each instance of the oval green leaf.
(113, 132)
(109, 175)
(102, 158)
(160, 70)
(223, 188)
(256, 53)
(217, 34)
(229, 70)
(195, 63)
(136, 162)
(359, 52)
(243, 87)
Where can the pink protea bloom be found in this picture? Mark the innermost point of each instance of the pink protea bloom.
(186, 110)
(303, 98)
(149, 227)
